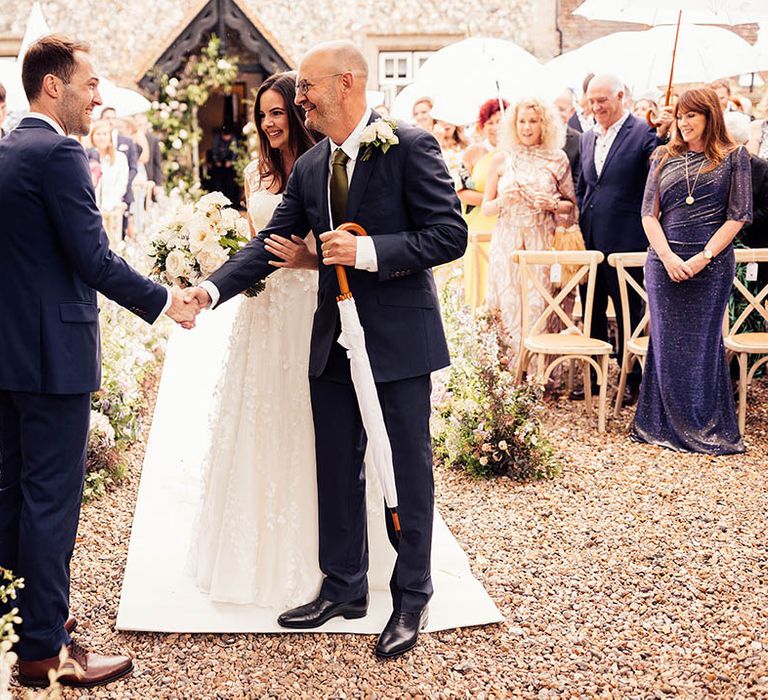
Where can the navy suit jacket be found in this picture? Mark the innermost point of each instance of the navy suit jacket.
(130, 150)
(609, 205)
(406, 201)
(54, 257)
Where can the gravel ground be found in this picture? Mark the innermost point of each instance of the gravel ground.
(639, 573)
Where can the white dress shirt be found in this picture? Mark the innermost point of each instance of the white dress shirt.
(60, 131)
(605, 139)
(365, 255)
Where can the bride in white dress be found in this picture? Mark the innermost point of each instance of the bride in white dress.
(256, 539)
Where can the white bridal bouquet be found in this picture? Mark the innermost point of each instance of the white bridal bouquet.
(196, 239)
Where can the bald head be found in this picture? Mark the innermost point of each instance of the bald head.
(330, 88)
(605, 95)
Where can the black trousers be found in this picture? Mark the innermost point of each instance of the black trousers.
(43, 442)
(607, 285)
(340, 448)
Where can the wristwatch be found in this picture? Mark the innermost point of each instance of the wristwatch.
(708, 254)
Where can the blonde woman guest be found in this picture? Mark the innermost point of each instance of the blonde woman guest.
(530, 189)
(114, 178)
(477, 159)
(422, 113)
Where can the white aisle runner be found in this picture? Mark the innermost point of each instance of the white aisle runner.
(158, 593)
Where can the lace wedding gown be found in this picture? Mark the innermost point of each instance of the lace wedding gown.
(256, 538)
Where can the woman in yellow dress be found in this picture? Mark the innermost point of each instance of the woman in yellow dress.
(477, 159)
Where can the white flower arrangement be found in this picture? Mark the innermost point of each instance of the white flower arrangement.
(379, 134)
(196, 239)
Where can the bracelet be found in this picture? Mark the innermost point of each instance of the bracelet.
(555, 203)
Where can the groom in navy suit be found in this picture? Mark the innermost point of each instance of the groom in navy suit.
(405, 200)
(54, 257)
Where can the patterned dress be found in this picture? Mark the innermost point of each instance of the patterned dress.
(521, 226)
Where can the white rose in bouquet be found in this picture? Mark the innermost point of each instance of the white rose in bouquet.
(242, 227)
(211, 258)
(229, 218)
(212, 200)
(201, 232)
(177, 265)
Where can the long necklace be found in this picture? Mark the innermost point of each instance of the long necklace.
(690, 199)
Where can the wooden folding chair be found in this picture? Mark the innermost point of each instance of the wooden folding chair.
(572, 343)
(635, 339)
(744, 344)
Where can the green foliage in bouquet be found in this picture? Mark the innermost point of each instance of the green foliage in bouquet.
(482, 422)
(9, 584)
(174, 114)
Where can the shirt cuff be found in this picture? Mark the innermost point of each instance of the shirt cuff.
(167, 306)
(365, 257)
(213, 292)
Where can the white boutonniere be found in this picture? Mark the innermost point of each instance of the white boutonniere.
(379, 134)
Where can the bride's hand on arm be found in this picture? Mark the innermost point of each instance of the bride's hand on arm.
(293, 252)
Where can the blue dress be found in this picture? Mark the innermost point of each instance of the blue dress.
(686, 398)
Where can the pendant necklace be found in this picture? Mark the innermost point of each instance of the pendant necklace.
(689, 199)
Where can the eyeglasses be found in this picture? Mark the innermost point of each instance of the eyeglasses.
(303, 86)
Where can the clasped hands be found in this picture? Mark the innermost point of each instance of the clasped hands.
(185, 307)
(680, 270)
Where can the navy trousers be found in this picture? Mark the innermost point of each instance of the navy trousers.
(43, 442)
(340, 444)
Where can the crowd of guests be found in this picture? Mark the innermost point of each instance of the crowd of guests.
(683, 181)
(122, 153)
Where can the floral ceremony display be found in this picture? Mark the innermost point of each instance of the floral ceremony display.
(482, 422)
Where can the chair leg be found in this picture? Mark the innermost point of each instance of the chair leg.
(587, 388)
(522, 361)
(742, 392)
(622, 386)
(603, 394)
(570, 376)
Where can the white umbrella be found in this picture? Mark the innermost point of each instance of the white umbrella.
(653, 12)
(461, 76)
(125, 101)
(353, 339)
(402, 105)
(36, 27)
(642, 59)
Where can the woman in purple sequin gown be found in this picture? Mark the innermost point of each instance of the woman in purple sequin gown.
(697, 198)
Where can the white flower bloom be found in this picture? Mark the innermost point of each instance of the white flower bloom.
(184, 213)
(201, 232)
(183, 134)
(100, 424)
(368, 134)
(211, 200)
(174, 165)
(243, 228)
(223, 65)
(384, 130)
(170, 90)
(174, 82)
(211, 259)
(176, 264)
(177, 144)
(173, 104)
(229, 218)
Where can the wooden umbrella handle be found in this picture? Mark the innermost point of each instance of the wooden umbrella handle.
(341, 273)
(650, 116)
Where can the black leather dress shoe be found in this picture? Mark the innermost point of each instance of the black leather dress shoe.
(401, 633)
(630, 395)
(320, 610)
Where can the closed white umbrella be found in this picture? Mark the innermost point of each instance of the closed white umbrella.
(353, 339)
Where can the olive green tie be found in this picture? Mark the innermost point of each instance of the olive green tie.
(339, 186)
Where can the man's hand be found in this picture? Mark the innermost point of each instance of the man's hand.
(182, 311)
(198, 296)
(294, 253)
(665, 117)
(339, 248)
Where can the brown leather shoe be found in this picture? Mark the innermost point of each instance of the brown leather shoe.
(70, 625)
(96, 669)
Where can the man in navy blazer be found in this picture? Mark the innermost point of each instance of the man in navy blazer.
(54, 258)
(405, 200)
(614, 167)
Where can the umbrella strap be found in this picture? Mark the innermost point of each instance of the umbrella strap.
(341, 273)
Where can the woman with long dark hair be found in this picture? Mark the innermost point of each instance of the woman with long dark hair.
(697, 198)
(256, 540)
